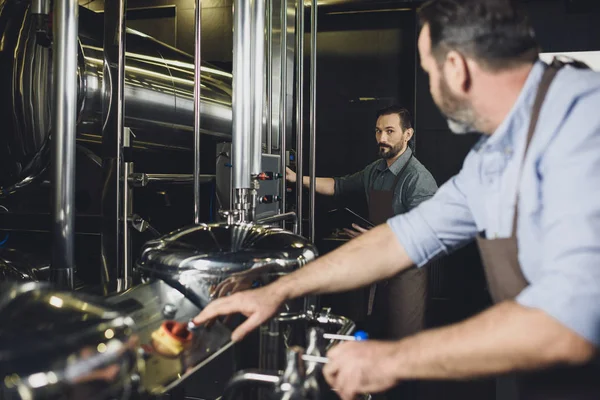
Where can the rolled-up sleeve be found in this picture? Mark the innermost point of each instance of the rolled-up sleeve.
(440, 224)
(568, 285)
(349, 184)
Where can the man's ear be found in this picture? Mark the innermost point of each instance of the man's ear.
(456, 72)
(409, 134)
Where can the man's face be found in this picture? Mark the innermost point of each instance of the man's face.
(456, 108)
(390, 137)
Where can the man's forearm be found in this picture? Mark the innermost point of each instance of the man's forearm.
(371, 257)
(507, 337)
(324, 186)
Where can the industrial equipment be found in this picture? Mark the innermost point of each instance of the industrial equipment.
(103, 128)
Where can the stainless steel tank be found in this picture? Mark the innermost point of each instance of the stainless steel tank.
(63, 345)
(212, 260)
(69, 345)
(159, 84)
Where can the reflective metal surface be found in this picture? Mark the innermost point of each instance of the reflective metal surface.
(63, 345)
(64, 125)
(208, 261)
(269, 71)
(114, 241)
(197, 105)
(258, 84)
(158, 91)
(299, 114)
(150, 306)
(283, 112)
(242, 97)
(243, 379)
(18, 266)
(313, 118)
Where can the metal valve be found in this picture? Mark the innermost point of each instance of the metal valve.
(269, 199)
(230, 216)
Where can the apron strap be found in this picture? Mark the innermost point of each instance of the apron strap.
(543, 88)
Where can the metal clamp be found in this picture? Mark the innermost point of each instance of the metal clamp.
(230, 216)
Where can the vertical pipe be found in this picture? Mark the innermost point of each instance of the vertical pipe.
(282, 105)
(258, 83)
(242, 101)
(64, 121)
(127, 210)
(299, 112)
(197, 82)
(269, 76)
(113, 111)
(313, 112)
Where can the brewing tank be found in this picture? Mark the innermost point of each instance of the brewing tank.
(63, 345)
(159, 86)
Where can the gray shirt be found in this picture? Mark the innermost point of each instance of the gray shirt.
(414, 186)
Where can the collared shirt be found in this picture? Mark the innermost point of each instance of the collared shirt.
(558, 227)
(414, 186)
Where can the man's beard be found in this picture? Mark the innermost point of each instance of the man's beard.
(388, 152)
(459, 114)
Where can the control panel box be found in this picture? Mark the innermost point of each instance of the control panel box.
(268, 192)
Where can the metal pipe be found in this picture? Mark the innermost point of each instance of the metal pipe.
(258, 83)
(246, 378)
(313, 112)
(269, 76)
(270, 343)
(41, 7)
(127, 213)
(179, 178)
(277, 218)
(64, 124)
(299, 112)
(242, 100)
(282, 106)
(197, 118)
(113, 117)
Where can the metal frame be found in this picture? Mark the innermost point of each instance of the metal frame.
(64, 124)
(197, 103)
(299, 113)
(313, 116)
(114, 241)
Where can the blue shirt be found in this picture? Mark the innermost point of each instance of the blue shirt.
(559, 200)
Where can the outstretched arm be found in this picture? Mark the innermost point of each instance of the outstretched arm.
(324, 186)
(507, 337)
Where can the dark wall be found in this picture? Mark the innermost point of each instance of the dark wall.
(365, 61)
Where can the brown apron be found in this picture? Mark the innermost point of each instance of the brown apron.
(398, 304)
(506, 280)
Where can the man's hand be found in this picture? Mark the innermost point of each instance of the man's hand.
(358, 230)
(356, 368)
(258, 305)
(290, 175)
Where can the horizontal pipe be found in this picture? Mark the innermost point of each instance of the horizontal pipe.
(178, 178)
(247, 378)
(141, 179)
(278, 218)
